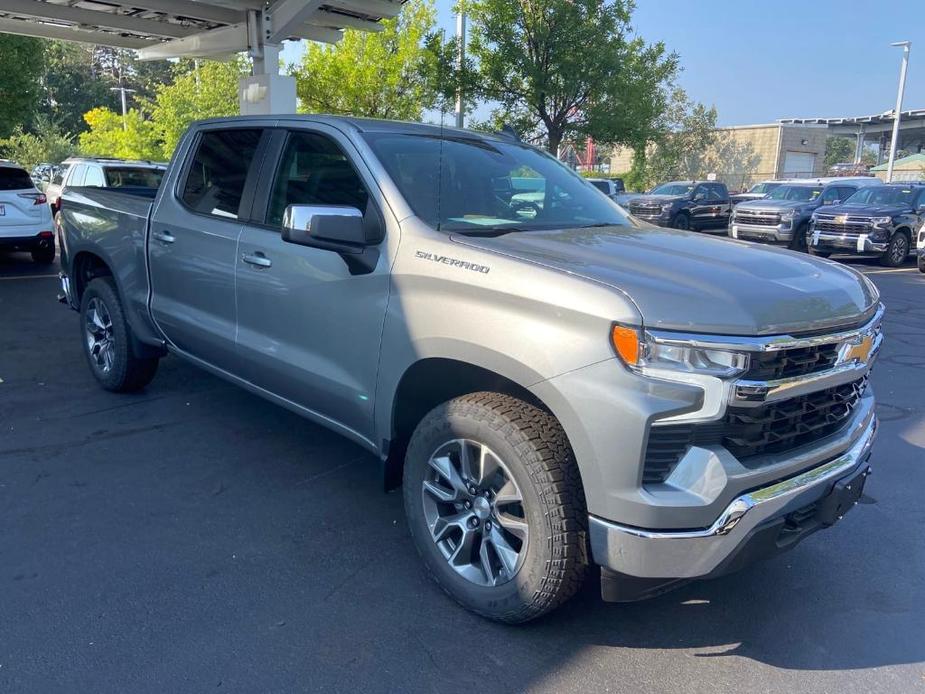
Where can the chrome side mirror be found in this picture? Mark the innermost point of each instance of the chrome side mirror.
(318, 225)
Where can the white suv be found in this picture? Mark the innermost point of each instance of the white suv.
(25, 220)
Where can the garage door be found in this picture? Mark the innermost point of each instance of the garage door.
(799, 164)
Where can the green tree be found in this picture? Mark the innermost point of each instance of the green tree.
(681, 144)
(385, 74)
(47, 144)
(209, 91)
(74, 84)
(838, 150)
(22, 59)
(110, 135)
(567, 69)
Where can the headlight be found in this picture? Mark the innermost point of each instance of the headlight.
(642, 354)
(881, 220)
(788, 214)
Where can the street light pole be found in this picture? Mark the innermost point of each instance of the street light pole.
(906, 45)
(123, 91)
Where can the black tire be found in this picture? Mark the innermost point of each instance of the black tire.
(126, 373)
(897, 251)
(819, 254)
(922, 263)
(536, 453)
(681, 221)
(44, 255)
(798, 242)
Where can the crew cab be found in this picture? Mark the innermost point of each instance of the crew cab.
(783, 216)
(874, 222)
(696, 205)
(552, 385)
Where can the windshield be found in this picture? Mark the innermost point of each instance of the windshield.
(798, 193)
(673, 189)
(125, 177)
(489, 185)
(763, 188)
(883, 195)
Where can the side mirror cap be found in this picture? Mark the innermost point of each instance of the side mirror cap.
(320, 225)
(343, 230)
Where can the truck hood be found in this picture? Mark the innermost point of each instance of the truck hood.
(776, 205)
(690, 282)
(658, 198)
(859, 210)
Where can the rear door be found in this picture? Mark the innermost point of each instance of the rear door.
(308, 329)
(193, 242)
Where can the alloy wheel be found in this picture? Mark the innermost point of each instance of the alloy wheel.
(474, 510)
(899, 250)
(98, 333)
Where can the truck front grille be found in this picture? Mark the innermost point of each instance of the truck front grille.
(750, 432)
(852, 226)
(760, 219)
(645, 211)
(792, 363)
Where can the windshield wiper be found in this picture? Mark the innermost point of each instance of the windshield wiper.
(488, 231)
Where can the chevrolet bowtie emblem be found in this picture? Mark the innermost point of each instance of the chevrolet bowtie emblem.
(859, 352)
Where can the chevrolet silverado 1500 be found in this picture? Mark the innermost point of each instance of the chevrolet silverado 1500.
(555, 385)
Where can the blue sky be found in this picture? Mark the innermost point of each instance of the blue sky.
(760, 60)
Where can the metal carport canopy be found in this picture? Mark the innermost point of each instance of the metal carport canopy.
(160, 29)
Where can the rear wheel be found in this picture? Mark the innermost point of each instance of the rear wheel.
(495, 506)
(897, 251)
(106, 337)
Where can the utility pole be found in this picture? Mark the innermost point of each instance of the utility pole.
(906, 45)
(460, 62)
(123, 91)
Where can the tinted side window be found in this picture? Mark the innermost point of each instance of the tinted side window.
(602, 186)
(314, 171)
(215, 182)
(77, 175)
(94, 177)
(12, 178)
(59, 177)
(719, 191)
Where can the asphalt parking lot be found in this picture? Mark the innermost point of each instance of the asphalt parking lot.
(196, 538)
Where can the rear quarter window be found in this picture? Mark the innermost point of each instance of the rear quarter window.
(15, 179)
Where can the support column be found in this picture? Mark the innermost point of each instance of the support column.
(859, 147)
(265, 92)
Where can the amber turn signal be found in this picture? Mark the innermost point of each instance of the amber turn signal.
(626, 342)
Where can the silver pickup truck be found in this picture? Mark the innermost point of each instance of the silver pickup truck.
(554, 384)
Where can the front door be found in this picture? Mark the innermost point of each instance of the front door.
(193, 245)
(308, 329)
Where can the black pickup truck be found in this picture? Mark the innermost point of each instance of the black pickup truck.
(696, 205)
(879, 221)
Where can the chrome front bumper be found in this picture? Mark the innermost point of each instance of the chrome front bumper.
(781, 233)
(685, 554)
(849, 243)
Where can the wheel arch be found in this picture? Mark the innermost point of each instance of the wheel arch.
(429, 382)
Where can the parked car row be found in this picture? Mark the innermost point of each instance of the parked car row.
(857, 215)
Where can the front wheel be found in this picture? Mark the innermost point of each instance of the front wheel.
(798, 242)
(495, 506)
(681, 221)
(106, 337)
(896, 253)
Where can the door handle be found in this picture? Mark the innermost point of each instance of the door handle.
(164, 236)
(257, 259)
